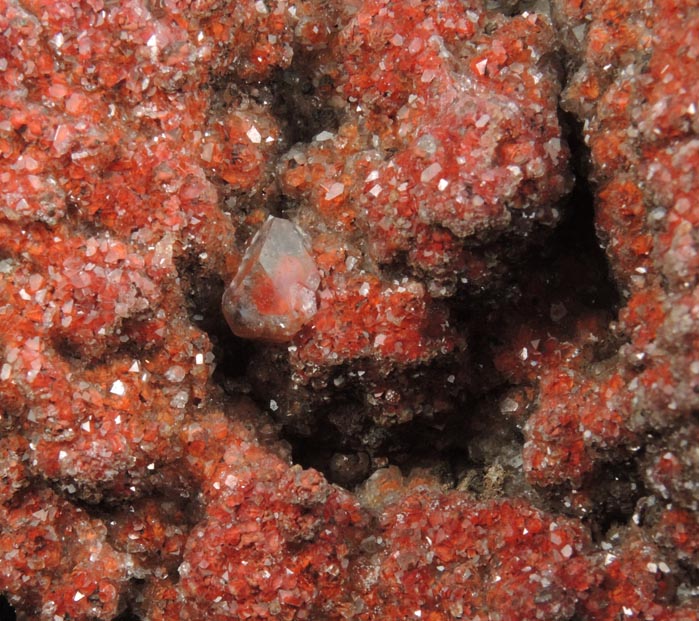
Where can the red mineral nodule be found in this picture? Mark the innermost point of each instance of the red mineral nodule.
(274, 292)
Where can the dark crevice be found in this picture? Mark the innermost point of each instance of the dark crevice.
(7, 612)
(204, 291)
(301, 104)
(615, 489)
(349, 459)
(515, 7)
(127, 615)
(688, 593)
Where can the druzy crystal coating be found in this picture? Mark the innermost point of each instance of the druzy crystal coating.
(538, 393)
(274, 292)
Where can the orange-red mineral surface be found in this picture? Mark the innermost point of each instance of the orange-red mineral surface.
(373, 310)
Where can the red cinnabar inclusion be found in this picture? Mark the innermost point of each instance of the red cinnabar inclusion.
(274, 292)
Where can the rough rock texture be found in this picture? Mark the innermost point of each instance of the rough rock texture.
(424, 316)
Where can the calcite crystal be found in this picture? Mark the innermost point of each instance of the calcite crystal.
(274, 292)
(415, 306)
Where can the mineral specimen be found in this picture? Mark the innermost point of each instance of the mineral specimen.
(423, 313)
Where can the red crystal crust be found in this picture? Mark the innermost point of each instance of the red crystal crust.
(142, 142)
(454, 134)
(638, 126)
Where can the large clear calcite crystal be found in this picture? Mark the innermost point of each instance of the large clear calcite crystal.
(274, 292)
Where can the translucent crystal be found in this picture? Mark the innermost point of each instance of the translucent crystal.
(274, 292)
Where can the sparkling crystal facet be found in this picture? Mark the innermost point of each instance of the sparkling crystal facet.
(274, 292)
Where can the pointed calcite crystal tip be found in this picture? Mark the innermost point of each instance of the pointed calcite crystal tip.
(274, 292)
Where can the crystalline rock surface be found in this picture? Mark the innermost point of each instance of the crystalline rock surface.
(358, 310)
